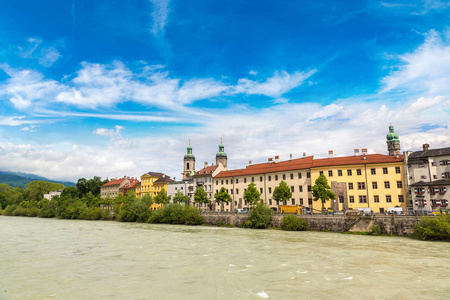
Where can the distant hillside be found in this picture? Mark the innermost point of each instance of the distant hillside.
(21, 179)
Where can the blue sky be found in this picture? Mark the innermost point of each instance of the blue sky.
(115, 88)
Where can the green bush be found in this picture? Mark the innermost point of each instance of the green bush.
(48, 210)
(192, 216)
(293, 223)
(260, 216)
(433, 228)
(375, 229)
(9, 210)
(176, 213)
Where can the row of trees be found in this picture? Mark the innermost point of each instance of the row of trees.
(321, 191)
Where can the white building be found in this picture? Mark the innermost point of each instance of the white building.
(52, 194)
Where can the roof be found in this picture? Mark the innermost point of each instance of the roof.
(154, 174)
(270, 167)
(428, 153)
(132, 184)
(163, 179)
(356, 160)
(432, 183)
(205, 171)
(114, 182)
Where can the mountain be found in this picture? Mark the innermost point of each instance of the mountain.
(21, 179)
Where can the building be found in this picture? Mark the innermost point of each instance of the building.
(189, 163)
(129, 187)
(429, 178)
(161, 183)
(52, 194)
(176, 186)
(112, 188)
(151, 184)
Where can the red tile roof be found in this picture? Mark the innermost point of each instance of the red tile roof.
(114, 182)
(356, 160)
(205, 171)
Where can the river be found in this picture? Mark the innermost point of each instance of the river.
(74, 259)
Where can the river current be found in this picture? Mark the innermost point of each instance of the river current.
(65, 259)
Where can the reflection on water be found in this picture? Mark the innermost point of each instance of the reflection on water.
(63, 259)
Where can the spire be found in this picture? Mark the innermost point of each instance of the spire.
(393, 142)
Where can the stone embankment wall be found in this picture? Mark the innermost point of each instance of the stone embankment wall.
(397, 225)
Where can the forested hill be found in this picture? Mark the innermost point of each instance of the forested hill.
(21, 179)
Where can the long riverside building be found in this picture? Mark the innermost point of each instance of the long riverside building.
(368, 180)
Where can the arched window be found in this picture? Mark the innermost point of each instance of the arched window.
(187, 166)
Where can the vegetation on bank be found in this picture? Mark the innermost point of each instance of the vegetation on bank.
(433, 228)
(293, 223)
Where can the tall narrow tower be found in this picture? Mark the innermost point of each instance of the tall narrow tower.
(189, 163)
(393, 143)
(221, 156)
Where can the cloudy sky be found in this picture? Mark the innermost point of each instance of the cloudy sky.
(113, 88)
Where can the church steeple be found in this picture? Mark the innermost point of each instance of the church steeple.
(221, 156)
(393, 143)
(189, 163)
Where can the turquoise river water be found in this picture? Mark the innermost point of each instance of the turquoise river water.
(64, 259)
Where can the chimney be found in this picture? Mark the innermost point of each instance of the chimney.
(277, 159)
(270, 159)
(249, 162)
(206, 164)
(330, 153)
(356, 152)
(290, 156)
(426, 147)
(174, 179)
(364, 151)
(304, 154)
(397, 154)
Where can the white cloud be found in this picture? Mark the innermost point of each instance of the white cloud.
(45, 55)
(160, 16)
(112, 133)
(426, 69)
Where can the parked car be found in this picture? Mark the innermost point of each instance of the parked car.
(242, 210)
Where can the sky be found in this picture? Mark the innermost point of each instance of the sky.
(118, 88)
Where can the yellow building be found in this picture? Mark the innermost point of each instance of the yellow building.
(152, 183)
(368, 180)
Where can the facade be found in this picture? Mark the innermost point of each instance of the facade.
(176, 186)
(161, 183)
(129, 187)
(429, 178)
(375, 181)
(152, 183)
(52, 194)
(112, 188)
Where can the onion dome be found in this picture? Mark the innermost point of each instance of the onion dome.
(221, 152)
(392, 136)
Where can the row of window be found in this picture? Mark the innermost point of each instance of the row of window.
(373, 171)
(376, 199)
(269, 178)
(362, 185)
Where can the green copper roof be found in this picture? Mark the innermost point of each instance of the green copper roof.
(221, 152)
(189, 152)
(392, 136)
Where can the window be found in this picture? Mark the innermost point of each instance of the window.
(397, 170)
(292, 176)
(358, 172)
(217, 182)
(284, 176)
(293, 201)
(260, 179)
(237, 191)
(376, 199)
(276, 177)
(350, 185)
(270, 190)
(253, 179)
(308, 174)
(361, 185)
(385, 171)
(231, 191)
(309, 201)
(401, 199)
(301, 201)
(260, 190)
(433, 163)
(330, 173)
(299, 175)
(300, 188)
(372, 171)
(421, 166)
(270, 201)
(339, 172)
(221, 182)
(388, 199)
(351, 199)
(435, 177)
(349, 172)
(227, 181)
(399, 184)
(362, 199)
(309, 188)
(444, 162)
(374, 185)
(387, 185)
(321, 173)
(237, 180)
(245, 180)
(341, 199)
(446, 175)
(423, 177)
(292, 189)
(270, 178)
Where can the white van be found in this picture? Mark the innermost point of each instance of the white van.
(395, 210)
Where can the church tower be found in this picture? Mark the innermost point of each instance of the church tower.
(221, 156)
(189, 163)
(393, 143)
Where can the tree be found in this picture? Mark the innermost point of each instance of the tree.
(35, 190)
(222, 197)
(161, 197)
(200, 196)
(180, 197)
(252, 195)
(321, 190)
(282, 192)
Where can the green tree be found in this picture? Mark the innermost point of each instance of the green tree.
(70, 192)
(222, 197)
(161, 197)
(251, 195)
(281, 193)
(35, 190)
(322, 191)
(180, 197)
(260, 216)
(200, 196)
